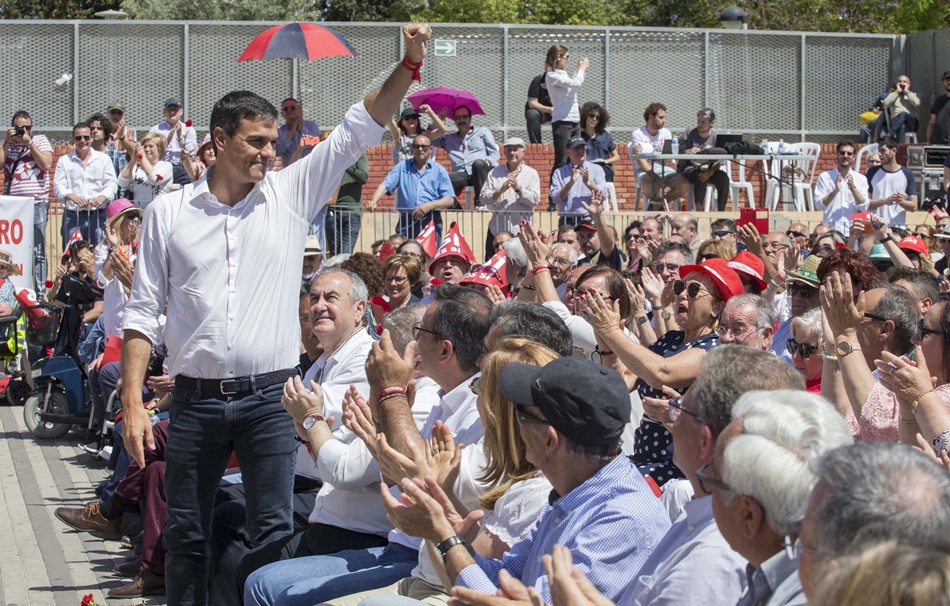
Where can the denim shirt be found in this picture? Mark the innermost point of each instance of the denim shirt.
(478, 144)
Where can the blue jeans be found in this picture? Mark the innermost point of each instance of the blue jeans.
(202, 434)
(342, 229)
(91, 223)
(40, 211)
(410, 227)
(316, 579)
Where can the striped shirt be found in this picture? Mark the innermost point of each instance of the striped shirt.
(611, 523)
(28, 179)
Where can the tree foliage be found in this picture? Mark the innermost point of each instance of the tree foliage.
(54, 9)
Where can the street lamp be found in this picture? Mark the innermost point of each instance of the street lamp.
(733, 17)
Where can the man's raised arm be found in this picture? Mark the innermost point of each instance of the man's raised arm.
(382, 102)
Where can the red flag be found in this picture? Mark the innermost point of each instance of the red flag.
(76, 237)
(490, 273)
(427, 240)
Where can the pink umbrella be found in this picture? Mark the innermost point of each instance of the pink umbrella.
(444, 99)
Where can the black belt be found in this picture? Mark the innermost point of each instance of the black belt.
(237, 386)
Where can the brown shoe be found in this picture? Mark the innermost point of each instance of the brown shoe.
(129, 568)
(145, 583)
(88, 519)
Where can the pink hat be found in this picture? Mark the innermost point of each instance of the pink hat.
(119, 207)
(726, 279)
(750, 265)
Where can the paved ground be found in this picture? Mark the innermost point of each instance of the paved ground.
(42, 561)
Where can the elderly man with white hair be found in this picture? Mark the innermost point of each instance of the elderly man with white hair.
(561, 260)
(760, 478)
(747, 320)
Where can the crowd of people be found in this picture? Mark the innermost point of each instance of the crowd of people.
(579, 419)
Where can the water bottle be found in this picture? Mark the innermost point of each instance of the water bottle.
(781, 146)
(675, 145)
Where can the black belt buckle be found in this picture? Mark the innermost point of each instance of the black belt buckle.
(223, 387)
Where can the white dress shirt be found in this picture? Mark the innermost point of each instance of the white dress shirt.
(173, 148)
(94, 178)
(563, 91)
(231, 275)
(512, 207)
(839, 210)
(114, 298)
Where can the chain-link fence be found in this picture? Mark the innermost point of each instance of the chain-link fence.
(765, 84)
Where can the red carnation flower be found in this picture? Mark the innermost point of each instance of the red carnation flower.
(49, 284)
(188, 123)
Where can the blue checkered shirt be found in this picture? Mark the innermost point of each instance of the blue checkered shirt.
(118, 161)
(610, 523)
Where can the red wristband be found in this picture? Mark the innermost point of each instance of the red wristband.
(391, 391)
(540, 269)
(413, 66)
(603, 353)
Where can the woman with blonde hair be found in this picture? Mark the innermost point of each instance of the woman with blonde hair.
(517, 491)
(887, 574)
(147, 175)
(713, 248)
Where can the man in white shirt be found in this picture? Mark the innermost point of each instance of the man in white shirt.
(663, 181)
(85, 182)
(510, 193)
(180, 137)
(893, 188)
(232, 335)
(449, 344)
(841, 192)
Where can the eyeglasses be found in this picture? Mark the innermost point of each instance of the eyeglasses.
(524, 417)
(706, 257)
(795, 234)
(883, 266)
(844, 153)
(774, 245)
(415, 146)
(417, 328)
(794, 549)
(923, 331)
(397, 280)
(558, 261)
(670, 267)
(288, 108)
(804, 350)
(676, 409)
(692, 289)
(593, 117)
(82, 137)
(705, 479)
(722, 233)
(475, 386)
(874, 317)
(722, 331)
(798, 289)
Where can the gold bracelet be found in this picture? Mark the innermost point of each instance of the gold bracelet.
(917, 400)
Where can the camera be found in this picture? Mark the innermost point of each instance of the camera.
(20, 130)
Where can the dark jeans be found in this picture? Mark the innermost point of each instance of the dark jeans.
(342, 229)
(480, 170)
(719, 180)
(180, 175)
(102, 383)
(534, 119)
(40, 210)
(91, 223)
(202, 434)
(562, 134)
(409, 227)
(901, 124)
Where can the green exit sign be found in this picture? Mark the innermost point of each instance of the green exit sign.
(446, 48)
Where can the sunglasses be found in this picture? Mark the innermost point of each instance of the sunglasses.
(82, 137)
(288, 108)
(805, 291)
(524, 417)
(923, 331)
(706, 257)
(397, 280)
(476, 386)
(593, 117)
(722, 233)
(803, 349)
(795, 234)
(692, 289)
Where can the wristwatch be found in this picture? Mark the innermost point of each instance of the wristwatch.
(642, 320)
(845, 347)
(666, 314)
(311, 420)
(444, 547)
(886, 238)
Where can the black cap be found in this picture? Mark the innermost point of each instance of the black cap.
(587, 223)
(576, 142)
(587, 402)
(408, 113)
(946, 75)
(172, 101)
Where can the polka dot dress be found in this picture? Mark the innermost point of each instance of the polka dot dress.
(653, 444)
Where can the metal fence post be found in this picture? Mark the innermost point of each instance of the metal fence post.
(606, 68)
(184, 79)
(504, 90)
(76, 72)
(801, 84)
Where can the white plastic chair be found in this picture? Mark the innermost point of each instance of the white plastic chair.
(611, 201)
(862, 156)
(740, 184)
(642, 201)
(805, 162)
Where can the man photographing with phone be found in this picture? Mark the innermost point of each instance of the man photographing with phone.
(900, 105)
(26, 160)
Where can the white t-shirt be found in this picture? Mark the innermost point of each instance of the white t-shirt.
(650, 144)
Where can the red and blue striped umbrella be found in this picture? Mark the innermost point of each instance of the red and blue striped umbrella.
(297, 40)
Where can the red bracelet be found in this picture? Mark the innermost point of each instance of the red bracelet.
(390, 396)
(390, 391)
(412, 66)
(540, 269)
(603, 353)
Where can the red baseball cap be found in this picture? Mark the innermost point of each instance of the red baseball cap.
(747, 263)
(726, 279)
(913, 243)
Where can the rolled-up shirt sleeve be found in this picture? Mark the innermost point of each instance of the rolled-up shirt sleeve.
(346, 462)
(150, 282)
